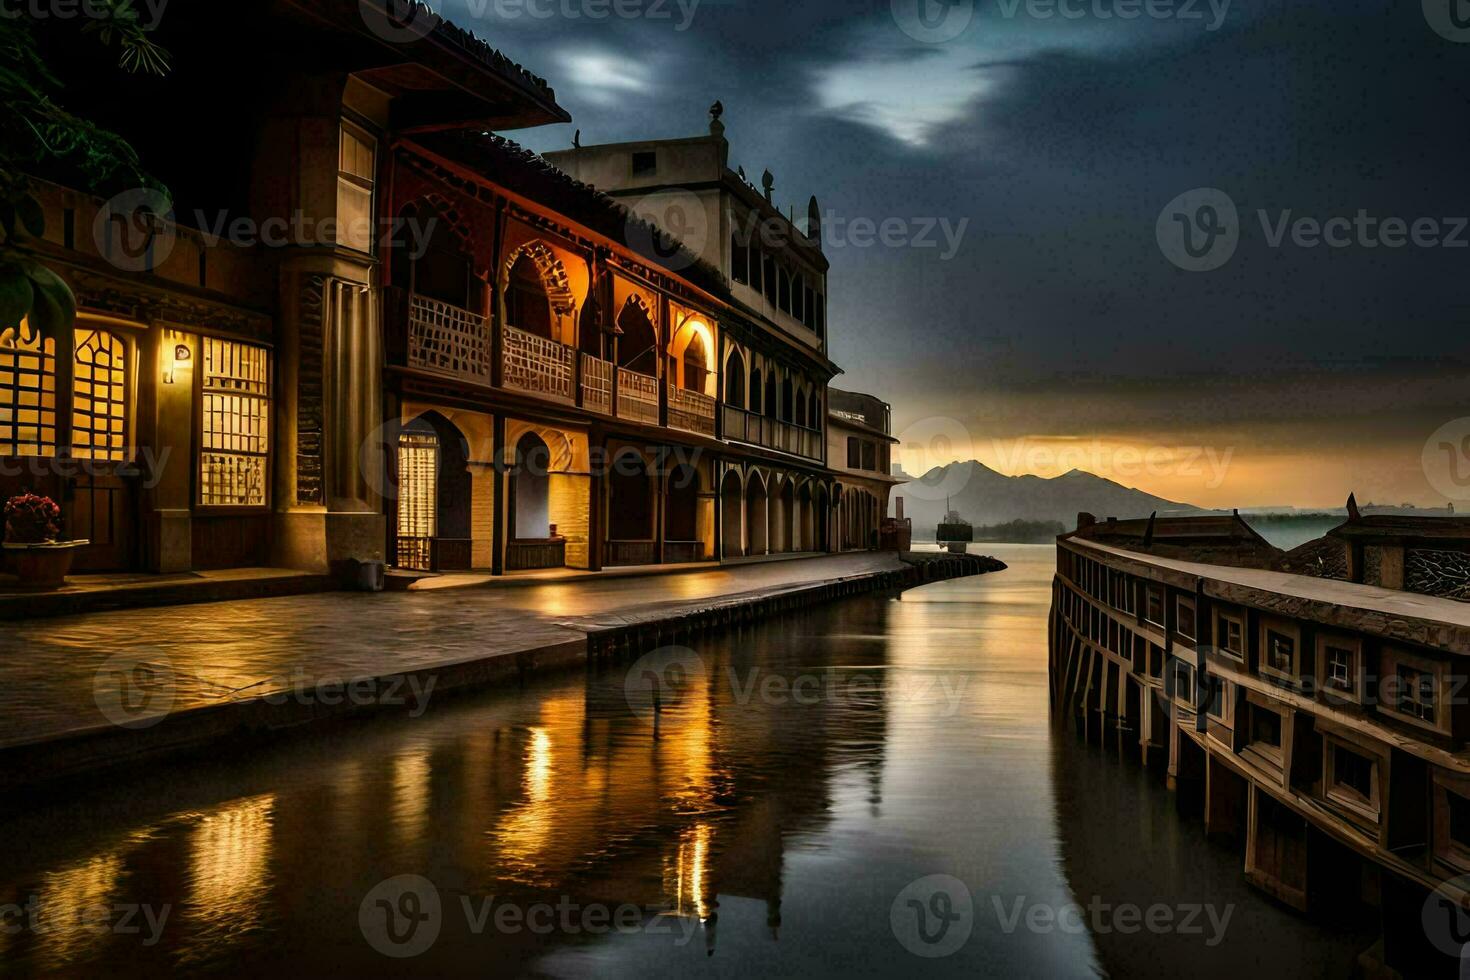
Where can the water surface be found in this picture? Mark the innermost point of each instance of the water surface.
(770, 818)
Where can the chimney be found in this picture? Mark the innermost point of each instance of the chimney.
(1085, 520)
(898, 507)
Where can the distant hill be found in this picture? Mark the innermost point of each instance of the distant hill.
(983, 496)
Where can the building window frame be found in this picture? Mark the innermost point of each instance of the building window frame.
(1258, 706)
(1183, 603)
(243, 393)
(1152, 593)
(1392, 694)
(1346, 683)
(1345, 794)
(1448, 848)
(1272, 629)
(1224, 619)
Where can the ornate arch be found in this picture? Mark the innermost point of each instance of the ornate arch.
(553, 275)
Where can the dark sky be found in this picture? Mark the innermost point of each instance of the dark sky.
(1059, 333)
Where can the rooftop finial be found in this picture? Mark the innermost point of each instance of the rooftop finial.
(577, 140)
(768, 182)
(1352, 507)
(716, 128)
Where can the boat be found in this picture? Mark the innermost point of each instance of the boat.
(954, 533)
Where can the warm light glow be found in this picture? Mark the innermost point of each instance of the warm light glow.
(229, 872)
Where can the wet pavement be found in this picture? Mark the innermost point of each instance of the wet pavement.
(69, 673)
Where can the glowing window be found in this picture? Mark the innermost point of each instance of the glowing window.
(235, 432)
(27, 394)
(99, 396)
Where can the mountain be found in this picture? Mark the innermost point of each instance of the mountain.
(983, 496)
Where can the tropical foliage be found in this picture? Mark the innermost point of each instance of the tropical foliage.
(37, 134)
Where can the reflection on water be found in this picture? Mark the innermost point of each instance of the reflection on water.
(763, 823)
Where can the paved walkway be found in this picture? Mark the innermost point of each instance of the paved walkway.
(68, 674)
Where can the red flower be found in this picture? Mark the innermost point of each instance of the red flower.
(31, 519)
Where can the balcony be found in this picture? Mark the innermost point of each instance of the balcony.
(447, 340)
(597, 385)
(637, 397)
(692, 411)
(758, 430)
(536, 365)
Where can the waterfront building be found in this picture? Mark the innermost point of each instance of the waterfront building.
(860, 446)
(365, 328)
(1319, 719)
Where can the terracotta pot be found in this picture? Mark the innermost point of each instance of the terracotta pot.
(42, 566)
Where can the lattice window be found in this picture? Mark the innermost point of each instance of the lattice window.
(99, 396)
(27, 395)
(418, 494)
(235, 430)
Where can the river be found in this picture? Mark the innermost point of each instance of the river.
(869, 788)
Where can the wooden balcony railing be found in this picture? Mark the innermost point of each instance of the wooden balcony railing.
(536, 365)
(637, 397)
(758, 430)
(597, 376)
(692, 411)
(447, 340)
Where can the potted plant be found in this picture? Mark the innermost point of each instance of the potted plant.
(32, 523)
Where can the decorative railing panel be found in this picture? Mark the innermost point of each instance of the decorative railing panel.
(536, 365)
(447, 340)
(630, 553)
(761, 431)
(637, 397)
(692, 411)
(683, 552)
(548, 553)
(597, 376)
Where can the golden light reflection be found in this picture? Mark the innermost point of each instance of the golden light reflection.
(229, 871)
(69, 903)
(686, 884)
(537, 840)
(411, 794)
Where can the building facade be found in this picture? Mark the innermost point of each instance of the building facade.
(376, 332)
(860, 447)
(1318, 720)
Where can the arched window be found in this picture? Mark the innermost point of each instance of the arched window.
(638, 345)
(681, 510)
(768, 275)
(527, 305)
(696, 369)
(801, 406)
(439, 269)
(783, 290)
(771, 394)
(755, 392)
(787, 401)
(532, 489)
(735, 380)
(99, 393)
(814, 410)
